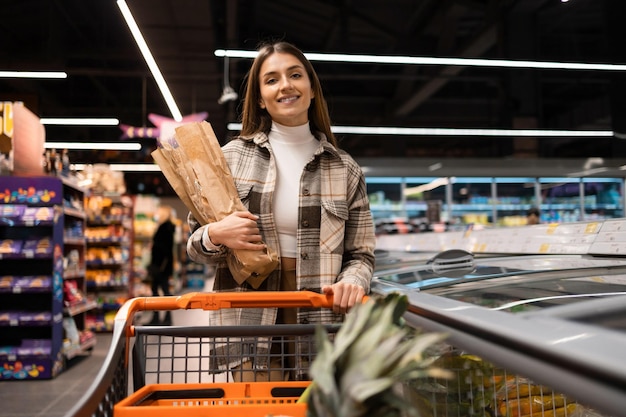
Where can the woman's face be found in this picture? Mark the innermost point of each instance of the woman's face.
(286, 91)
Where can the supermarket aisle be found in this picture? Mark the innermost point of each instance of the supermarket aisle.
(53, 398)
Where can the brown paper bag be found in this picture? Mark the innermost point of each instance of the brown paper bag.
(196, 168)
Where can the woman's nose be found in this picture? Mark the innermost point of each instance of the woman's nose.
(285, 83)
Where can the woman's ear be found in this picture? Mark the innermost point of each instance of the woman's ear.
(261, 104)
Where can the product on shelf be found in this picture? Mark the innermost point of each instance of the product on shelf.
(41, 260)
(72, 294)
(37, 247)
(109, 238)
(10, 246)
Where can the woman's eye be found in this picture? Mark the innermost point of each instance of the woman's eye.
(296, 75)
(270, 81)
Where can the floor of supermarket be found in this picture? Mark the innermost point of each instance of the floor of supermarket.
(55, 397)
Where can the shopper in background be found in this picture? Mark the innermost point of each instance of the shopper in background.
(306, 198)
(533, 216)
(161, 265)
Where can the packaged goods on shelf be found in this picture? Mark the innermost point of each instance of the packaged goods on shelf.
(42, 253)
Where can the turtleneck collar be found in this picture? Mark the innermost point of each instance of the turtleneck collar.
(291, 134)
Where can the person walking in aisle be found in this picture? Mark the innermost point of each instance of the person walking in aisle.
(305, 197)
(161, 265)
(533, 216)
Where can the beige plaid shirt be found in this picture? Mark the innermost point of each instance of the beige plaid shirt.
(336, 235)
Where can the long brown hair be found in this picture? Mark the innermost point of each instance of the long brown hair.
(254, 119)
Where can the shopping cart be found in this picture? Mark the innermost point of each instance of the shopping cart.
(189, 369)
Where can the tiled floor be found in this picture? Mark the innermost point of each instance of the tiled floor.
(55, 397)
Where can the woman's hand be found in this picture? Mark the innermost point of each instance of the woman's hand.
(238, 230)
(345, 296)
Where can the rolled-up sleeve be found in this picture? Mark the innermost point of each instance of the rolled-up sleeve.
(196, 251)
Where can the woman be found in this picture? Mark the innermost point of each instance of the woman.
(305, 198)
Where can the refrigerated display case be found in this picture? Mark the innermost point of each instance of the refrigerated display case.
(497, 201)
(528, 335)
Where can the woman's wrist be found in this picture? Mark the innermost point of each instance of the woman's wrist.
(207, 241)
(208, 233)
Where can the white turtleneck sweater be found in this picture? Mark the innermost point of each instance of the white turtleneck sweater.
(293, 148)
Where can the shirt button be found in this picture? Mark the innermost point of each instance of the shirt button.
(305, 223)
(306, 191)
(304, 256)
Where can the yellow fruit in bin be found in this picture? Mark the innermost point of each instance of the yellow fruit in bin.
(566, 411)
(517, 407)
(519, 388)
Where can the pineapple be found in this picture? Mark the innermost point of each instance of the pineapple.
(359, 372)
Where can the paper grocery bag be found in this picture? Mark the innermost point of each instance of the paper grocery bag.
(193, 163)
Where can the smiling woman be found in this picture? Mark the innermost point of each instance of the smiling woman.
(304, 197)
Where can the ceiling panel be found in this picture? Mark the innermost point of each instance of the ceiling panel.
(108, 77)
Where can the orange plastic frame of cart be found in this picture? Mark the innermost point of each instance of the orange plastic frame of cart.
(234, 399)
(247, 399)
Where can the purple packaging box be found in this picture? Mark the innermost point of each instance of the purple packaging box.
(38, 214)
(10, 246)
(9, 318)
(37, 247)
(35, 318)
(32, 284)
(35, 347)
(6, 284)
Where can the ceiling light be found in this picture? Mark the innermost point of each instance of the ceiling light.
(413, 60)
(228, 93)
(417, 131)
(122, 167)
(108, 146)
(147, 55)
(80, 121)
(32, 74)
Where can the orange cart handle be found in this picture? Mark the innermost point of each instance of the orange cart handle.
(256, 299)
(220, 300)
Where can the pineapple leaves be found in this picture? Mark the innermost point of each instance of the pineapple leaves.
(372, 354)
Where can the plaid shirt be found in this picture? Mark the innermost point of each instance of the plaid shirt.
(336, 235)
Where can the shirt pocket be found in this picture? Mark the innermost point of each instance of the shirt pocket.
(244, 191)
(333, 225)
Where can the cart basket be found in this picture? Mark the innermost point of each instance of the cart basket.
(169, 363)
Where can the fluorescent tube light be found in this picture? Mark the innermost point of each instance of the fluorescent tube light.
(80, 121)
(417, 131)
(123, 167)
(415, 60)
(33, 74)
(147, 55)
(108, 146)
